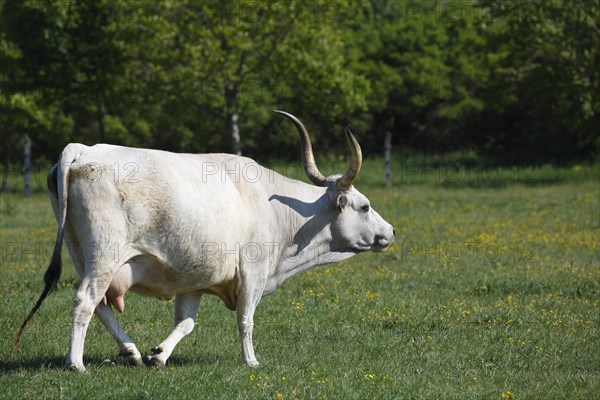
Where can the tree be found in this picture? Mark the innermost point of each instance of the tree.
(239, 58)
(547, 78)
(20, 114)
(421, 59)
(69, 60)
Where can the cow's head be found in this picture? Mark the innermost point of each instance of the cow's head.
(355, 225)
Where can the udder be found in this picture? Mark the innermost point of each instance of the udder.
(121, 282)
(118, 302)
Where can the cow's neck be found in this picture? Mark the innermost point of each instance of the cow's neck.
(306, 240)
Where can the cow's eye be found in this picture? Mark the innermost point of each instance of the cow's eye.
(365, 208)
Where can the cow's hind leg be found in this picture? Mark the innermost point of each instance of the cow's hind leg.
(124, 278)
(88, 296)
(186, 310)
(127, 350)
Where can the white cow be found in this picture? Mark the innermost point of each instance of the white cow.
(181, 225)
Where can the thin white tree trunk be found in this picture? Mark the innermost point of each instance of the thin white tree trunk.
(27, 167)
(388, 158)
(236, 147)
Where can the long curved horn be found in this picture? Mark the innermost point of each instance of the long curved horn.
(345, 181)
(308, 158)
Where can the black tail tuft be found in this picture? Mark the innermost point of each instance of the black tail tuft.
(51, 280)
(52, 274)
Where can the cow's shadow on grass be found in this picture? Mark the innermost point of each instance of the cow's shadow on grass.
(92, 363)
(33, 364)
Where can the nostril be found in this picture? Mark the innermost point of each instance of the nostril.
(394, 231)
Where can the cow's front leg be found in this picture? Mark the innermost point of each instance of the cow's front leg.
(252, 287)
(246, 327)
(127, 350)
(186, 310)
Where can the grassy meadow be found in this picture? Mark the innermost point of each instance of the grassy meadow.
(491, 291)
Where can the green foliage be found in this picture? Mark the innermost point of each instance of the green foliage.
(490, 291)
(546, 81)
(511, 80)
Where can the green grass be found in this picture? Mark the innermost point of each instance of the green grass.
(491, 290)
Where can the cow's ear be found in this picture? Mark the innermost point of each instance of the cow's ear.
(341, 201)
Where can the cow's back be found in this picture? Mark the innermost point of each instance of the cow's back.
(194, 214)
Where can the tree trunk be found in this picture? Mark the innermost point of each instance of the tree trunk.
(388, 158)
(231, 100)
(27, 167)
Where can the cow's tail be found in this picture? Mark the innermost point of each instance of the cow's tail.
(58, 182)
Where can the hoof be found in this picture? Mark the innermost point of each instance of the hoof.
(131, 359)
(75, 368)
(253, 364)
(154, 360)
